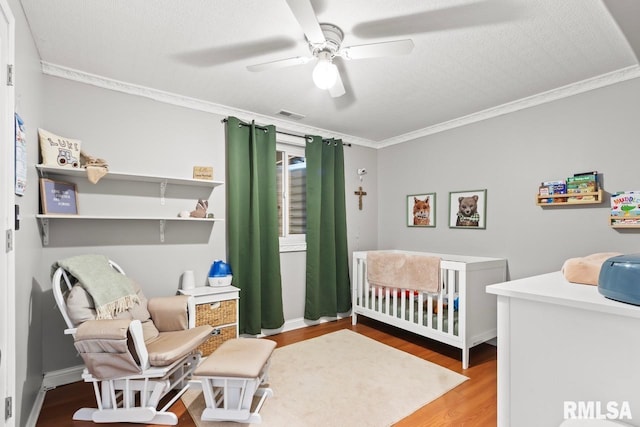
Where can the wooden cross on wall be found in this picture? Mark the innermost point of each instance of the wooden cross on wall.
(360, 193)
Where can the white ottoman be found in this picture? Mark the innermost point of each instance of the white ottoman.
(231, 376)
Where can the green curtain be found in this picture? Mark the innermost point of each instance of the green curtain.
(327, 284)
(252, 224)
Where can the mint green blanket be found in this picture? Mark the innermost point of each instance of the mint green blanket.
(111, 291)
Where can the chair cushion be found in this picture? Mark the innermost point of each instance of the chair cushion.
(170, 313)
(238, 357)
(80, 308)
(104, 347)
(168, 347)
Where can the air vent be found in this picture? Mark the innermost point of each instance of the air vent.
(290, 115)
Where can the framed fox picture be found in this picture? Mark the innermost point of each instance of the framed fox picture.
(421, 210)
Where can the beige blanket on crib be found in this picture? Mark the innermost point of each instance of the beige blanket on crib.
(402, 270)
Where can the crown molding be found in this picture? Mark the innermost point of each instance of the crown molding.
(194, 103)
(597, 82)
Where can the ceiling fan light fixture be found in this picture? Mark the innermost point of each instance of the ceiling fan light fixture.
(325, 72)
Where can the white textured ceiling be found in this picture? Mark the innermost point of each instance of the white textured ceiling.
(469, 56)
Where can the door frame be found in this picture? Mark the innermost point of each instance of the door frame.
(7, 217)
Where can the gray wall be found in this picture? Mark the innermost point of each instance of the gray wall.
(509, 156)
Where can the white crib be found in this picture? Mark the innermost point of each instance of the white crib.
(469, 321)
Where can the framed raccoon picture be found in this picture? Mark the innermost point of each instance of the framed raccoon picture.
(421, 210)
(468, 209)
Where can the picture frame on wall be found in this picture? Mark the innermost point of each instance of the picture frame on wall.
(468, 209)
(58, 198)
(421, 210)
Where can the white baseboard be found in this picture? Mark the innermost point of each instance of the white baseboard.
(300, 322)
(35, 410)
(60, 377)
(50, 381)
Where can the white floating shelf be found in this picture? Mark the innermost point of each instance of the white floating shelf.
(108, 217)
(44, 170)
(45, 218)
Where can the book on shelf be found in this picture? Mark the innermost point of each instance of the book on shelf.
(586, 173)
(582, 183)
(590, 179)
(548, 188)
(625, 221)
(625, 207)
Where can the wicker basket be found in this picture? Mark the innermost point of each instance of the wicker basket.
(217, 314)
(214, 341)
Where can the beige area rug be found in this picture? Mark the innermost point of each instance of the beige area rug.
(342, 379)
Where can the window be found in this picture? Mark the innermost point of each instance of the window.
(292, 204)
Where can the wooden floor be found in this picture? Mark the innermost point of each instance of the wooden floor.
(473, 403)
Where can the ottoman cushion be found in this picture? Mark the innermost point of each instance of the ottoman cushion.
(238, 357)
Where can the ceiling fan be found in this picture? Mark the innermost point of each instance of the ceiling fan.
(325, 45)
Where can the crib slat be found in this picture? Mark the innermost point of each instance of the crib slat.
(360, 278)
(411, 310)
(395, 304)
(430, 310)
(386, 301)
(461, 277)
(452, 292)
(367, 287)
(440, 306)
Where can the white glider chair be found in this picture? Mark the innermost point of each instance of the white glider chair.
(135, 358)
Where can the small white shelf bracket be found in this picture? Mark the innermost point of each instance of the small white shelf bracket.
(45, 231)
(163, 223)
(163, 190)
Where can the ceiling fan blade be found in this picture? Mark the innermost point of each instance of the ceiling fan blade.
(373, 50)
(337, 89)
(210, 56)
(281, 63)
(303, 11)
(444, 19)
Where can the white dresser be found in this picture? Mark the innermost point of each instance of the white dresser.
(564, 349)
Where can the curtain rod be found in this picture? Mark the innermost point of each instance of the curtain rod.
(347, 144)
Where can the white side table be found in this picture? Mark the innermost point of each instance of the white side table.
(218, 307)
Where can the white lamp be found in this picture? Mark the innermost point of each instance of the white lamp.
(325, 72)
